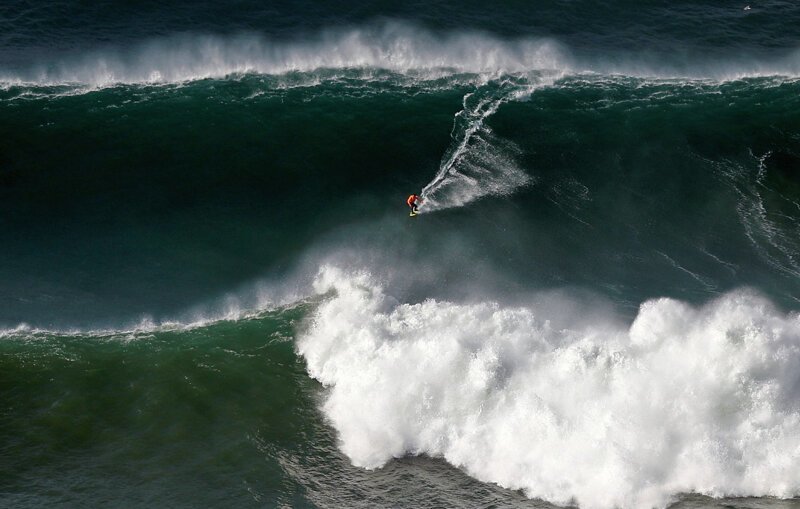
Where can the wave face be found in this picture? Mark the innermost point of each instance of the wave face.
(211, 292)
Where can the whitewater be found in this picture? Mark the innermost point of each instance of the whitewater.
(400, 47)
(684, 400)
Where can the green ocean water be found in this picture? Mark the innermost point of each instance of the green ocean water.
(196, 189)
(191, 191)
(177, 254)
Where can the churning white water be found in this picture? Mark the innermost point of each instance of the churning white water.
(685, 399)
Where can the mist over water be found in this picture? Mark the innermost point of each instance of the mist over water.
(399, 46)
(211, 292)
(391, 46)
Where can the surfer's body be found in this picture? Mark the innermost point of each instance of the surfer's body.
(413, 201)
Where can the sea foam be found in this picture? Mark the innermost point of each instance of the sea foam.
(684, 399)
(396, 46)
(392, 46)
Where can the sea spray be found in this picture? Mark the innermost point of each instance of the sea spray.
(399, 46)
(394, 46)
(478, 163)
(686, 399)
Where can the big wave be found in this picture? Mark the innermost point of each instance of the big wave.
(394, 46)
(685, 399)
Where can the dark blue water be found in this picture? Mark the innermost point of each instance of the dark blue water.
(211, 292)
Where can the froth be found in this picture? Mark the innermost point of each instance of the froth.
(394, 46)
(390, 46)
(684, 400)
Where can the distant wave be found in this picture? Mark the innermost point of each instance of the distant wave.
(683, 400)
(394, 46)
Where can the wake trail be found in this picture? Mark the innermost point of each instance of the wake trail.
(478, 163)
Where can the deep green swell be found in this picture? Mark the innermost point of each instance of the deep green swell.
(175, 411)
(135, 201)
(145, 200)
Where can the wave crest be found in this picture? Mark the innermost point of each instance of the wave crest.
(391, 46)
(394, 46)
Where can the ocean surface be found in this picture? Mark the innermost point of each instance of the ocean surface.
(212, 295)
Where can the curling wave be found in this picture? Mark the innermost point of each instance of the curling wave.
(393, 46)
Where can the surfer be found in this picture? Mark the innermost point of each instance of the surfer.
(413, 201)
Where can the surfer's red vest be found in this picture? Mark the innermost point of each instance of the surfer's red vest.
(411, 199)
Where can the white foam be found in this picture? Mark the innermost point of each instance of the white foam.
(683, 400)
(394, 46)
(391, 46)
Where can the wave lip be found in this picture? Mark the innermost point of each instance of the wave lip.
(394, 46)
(686, 399)
(391, 46)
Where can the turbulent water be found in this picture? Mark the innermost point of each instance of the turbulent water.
(211, 293)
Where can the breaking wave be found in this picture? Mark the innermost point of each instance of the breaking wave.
(394, 46)
(685, 399)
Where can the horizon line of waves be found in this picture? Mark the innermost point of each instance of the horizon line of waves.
(377, 80)
(596, 413)
(357, 80)
(478, 163)
(393, 45)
